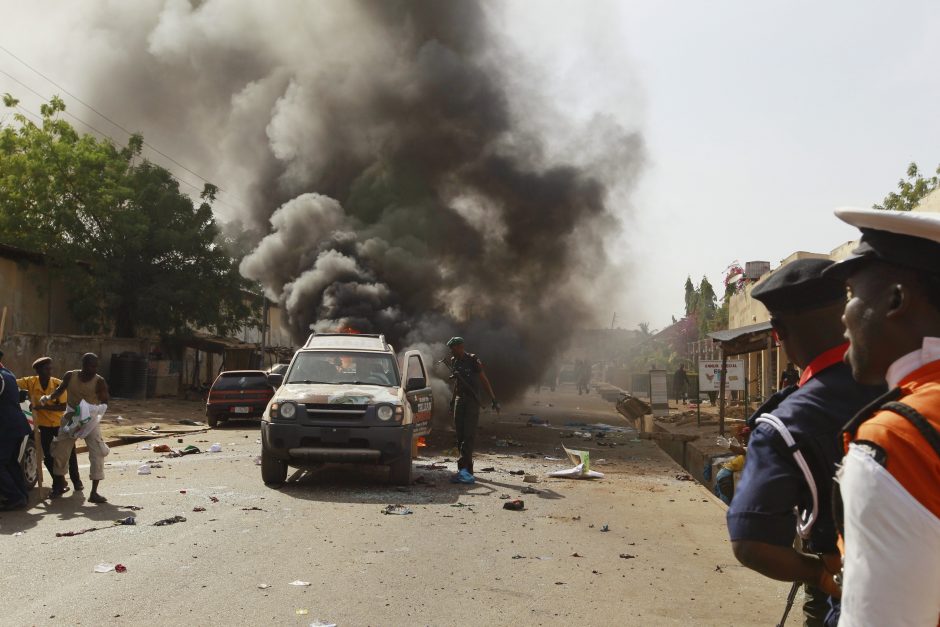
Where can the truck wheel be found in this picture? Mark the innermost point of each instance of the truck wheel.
(213, 421)
(30, 463)
(273, 470)
(399, 473)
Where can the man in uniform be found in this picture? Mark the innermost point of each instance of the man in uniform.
(13, 428)
(793, 448)
(889, 482)
(467, 373)
(81, 385)
(48, 417)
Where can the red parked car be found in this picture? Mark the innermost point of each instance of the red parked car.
(238, 394)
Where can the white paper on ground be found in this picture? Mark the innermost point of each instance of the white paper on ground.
(582, 469)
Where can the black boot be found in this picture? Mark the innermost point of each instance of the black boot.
(59, 487)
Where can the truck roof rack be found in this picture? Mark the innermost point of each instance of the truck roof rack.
(378, 336)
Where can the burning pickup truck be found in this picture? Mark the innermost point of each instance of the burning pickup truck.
(344, 399)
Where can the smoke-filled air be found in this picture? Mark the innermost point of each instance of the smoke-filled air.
(392, 166)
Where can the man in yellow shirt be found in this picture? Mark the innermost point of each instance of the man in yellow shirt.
(48, 417)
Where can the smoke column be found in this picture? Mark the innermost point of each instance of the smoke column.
(390, 165)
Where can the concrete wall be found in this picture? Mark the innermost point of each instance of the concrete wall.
(21, 349)
(930, 203)
(35, 299)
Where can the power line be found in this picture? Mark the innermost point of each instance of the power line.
(99, 113)
(38, 117)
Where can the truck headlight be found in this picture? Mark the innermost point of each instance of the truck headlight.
(385, 412)
(287, 410)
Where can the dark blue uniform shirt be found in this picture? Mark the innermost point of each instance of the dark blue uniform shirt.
(772, 484)
(13, 424)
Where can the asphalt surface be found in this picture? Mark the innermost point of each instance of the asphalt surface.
(458, 559)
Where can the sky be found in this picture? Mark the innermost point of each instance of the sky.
(759, 118)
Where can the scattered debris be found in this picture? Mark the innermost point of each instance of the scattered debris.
(199, 509)
(215, 448)
(300, 583)
(189, 450)
(488, 469)
(517, 472)
(518, 557)
(130, 520)
(516, 505)
(432, 466)
(504, 496)
(252, 509)
(191, 423)
(530, 490)
(576, 555)
(169, 521)
(605, 529)
(302, 612)
(264, 586)
(397, 510)
(70, 534)
(133, 508)
(508, 443)
(162, 448)
(531, 479)
(627, 556)
(319, 623)
(718, 569)
(258, 460)
(684, 478)
(144, 469)
(582, 470)
(104, 568)
(214, 499)
(459, 504)
(535, 421)
(120, 568)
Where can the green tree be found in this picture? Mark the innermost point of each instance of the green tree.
(690, 297)
(138, 254)
(911, 190)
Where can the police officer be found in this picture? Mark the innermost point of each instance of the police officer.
(793, 447)
(467, 373)
(13, 429)
(888, 495)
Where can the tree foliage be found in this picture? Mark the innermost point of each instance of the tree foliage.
(911, 190)
(137, 253)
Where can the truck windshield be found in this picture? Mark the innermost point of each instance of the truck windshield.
(344, 368)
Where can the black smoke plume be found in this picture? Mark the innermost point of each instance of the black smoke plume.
(394, 164)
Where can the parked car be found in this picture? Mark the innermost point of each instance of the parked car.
(344, 399)
(238, 394)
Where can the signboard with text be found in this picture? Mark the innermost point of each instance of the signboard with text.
(709, 375)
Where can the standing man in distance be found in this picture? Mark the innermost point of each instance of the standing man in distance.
(680, 384)
(779, 478)
(467, 373)
(888, 496)
(80, 385)
(47, 418)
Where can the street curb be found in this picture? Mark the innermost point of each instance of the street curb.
(111, 443)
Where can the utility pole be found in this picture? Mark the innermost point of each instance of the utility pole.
(264, 326)
(613, 320)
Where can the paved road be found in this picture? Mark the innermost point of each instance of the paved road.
(459, 559)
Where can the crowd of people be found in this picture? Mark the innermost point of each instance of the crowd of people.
(57, 409)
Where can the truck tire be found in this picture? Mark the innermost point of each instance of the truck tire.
(399, 472)
(273, 470)
(30, 463)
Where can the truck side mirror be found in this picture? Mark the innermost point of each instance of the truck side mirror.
(275, 380)
(416, 383)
